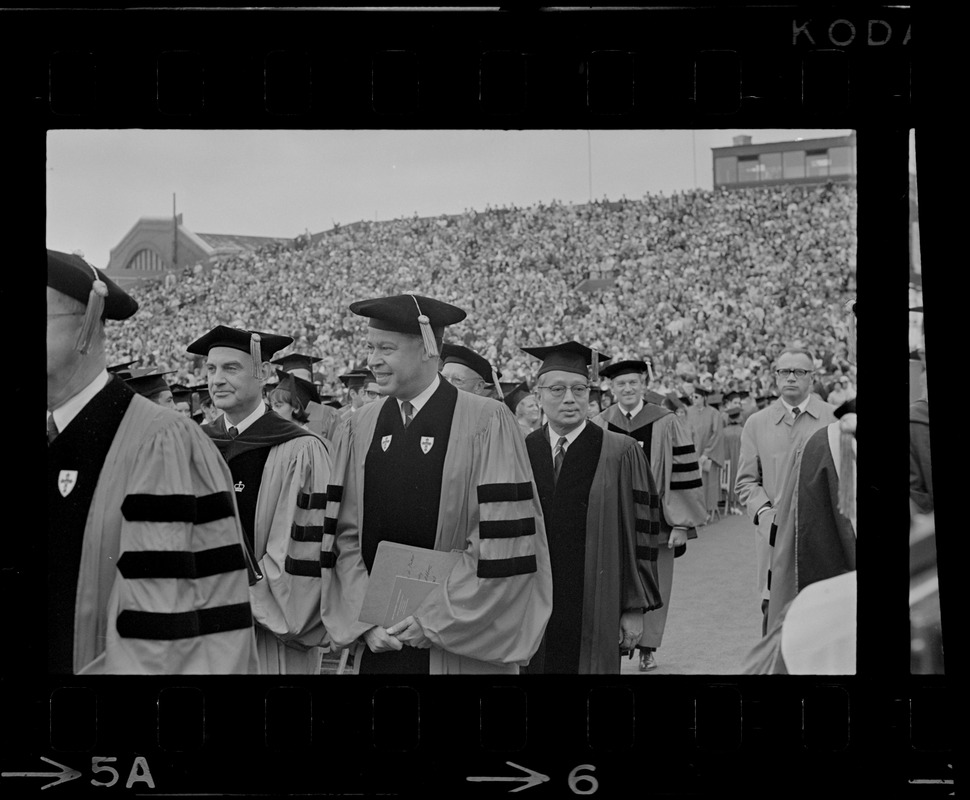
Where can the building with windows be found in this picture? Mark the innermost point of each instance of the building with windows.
(807, 161)
(157, 245)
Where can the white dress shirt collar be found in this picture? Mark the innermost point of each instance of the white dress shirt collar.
(419, 401)
(570, 437)
(636, 409)
(260, 410)
(69, 410)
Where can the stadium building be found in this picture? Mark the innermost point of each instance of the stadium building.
(806, 161)
(157, 245)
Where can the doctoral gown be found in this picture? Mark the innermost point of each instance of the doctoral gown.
(281, 473)
(146, 565)
(490, 613)
(707, 427)
(667, 443)
(603, 523)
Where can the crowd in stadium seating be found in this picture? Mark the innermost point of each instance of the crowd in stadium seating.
(705, 282)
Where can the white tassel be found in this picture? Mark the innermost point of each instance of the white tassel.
(498, 386)
(427, 335)
(256, 352)
(92, 313)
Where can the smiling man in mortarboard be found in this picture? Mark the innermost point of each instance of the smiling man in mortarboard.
(433, 467)
(281, 472)
(600, 506)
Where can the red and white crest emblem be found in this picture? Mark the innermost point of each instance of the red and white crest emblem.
(385, 443)
(427, 442)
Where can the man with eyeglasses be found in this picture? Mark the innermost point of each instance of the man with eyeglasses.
(436, 468)
(602, 518)
(137, 498)
(667, 444)
(769, 440)
(466, 369)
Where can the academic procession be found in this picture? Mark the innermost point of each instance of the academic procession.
(447, 469)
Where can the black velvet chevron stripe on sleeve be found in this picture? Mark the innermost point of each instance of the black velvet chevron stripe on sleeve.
(302, 567)
(646, 553)
(506, 567)
(328, 559)
(688, 466)
(335, 493)
(506, 528)
(651, 527)
(185, 625)
(504, 492)
(330, 526)
(312, 500)
(682, 449)
(694, 484)
(177, 507)
(145, 564)
(646, 499)
(306, 533)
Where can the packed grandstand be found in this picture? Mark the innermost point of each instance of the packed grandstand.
(697, 282)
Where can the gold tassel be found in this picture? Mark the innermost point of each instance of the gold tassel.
(256, 352)
(427, 335)
(846, 482)
(92, 314)
(596, 367)
(498, 386)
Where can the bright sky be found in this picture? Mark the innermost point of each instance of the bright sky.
(280, 183)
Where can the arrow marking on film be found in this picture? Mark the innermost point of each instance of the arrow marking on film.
(66, 774)
(532, 778)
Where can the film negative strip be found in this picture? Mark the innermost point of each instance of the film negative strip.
(881, 729)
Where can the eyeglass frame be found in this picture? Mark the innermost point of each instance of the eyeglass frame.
(784, 373)
(584, 389)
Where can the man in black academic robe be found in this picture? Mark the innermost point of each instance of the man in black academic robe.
(602, 521)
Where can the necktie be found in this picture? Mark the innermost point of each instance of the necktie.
(408, 410)
(795, 412)
(51, 429)
(233, 431)
(629, 416)
(559, 456)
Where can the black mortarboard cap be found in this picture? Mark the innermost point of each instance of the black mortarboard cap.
(149, 382)
(623, 367)
(848, 407)
(258, 344)
(675, 401)
(457, 354)
(296, 361)
(702, 391)
(715, 399)
(303, 389)
(729, 396)
(514, 393)
(356, 378)
(410, 313)
(182, 393)
(122, 370)
(71, 275)
(568, 357)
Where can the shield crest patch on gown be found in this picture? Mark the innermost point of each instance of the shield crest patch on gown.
(66, 481)
(385, 443)
(426, 443)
